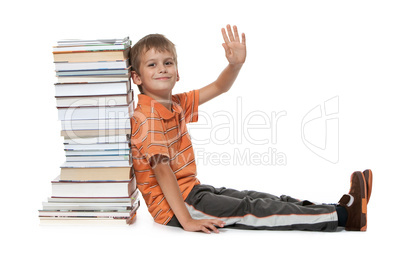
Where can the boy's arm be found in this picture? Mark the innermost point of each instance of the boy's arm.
(235, 52)
(170, 188)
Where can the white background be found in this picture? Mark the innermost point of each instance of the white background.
(300, 54)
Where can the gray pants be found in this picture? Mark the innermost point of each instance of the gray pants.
(257, 210)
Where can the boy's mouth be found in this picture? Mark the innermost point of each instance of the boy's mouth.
(163, 78)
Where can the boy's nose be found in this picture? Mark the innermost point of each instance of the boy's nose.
(162, 68)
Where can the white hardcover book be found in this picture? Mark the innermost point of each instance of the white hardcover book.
(97, 158)
(95, 140)
(90, 89)
(104, 146)
(88, 113)
(67, 66)
(96, 164)
(125, 152)
(96, 124)
(79, 189)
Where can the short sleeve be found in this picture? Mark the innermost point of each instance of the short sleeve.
(148, 136)
(189, 103)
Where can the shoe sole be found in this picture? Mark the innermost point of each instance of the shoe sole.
(368, 176)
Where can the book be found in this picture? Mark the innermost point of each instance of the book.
(108, 72)
(96, 164)
(95, 100)
(91, 56)
(91, 204)
(85, 206)
(78, 134)
(78, 47)
(83, 221)
(45, 219)
(124, 71)
(98, 158)
(123, 213)
(102, 188)
(88, 133)
(83, 66)
(92, 89)
(86, 213)
(74, 42)
(88, 113)
(93, 174)
(94, 79)
(97, 146)
(125, 152)
(96, 124)
(129, 199)
(96, 140)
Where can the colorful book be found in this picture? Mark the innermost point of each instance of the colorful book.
(91, 56)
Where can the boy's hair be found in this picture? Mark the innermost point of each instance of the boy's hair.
(156, 41)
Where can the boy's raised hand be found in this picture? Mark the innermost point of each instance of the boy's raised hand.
(234, 49)
(236, 54)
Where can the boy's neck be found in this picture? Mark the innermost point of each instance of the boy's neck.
(164, 99)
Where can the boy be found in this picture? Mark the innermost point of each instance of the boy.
(164, 162)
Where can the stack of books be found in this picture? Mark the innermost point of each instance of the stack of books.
(95, 102)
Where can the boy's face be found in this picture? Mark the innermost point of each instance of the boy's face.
(157, 73)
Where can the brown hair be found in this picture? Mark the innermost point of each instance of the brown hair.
(156, 41)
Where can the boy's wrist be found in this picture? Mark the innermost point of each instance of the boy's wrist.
(235, 66)
(185, 219)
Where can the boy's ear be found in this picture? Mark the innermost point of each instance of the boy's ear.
(178, 77)
(136, 78)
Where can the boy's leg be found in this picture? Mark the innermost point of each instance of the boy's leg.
(253, 194)
(239, 209)
(241, 195)
(247, 209)
(262, 195)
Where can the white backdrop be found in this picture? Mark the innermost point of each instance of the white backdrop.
(316, 100)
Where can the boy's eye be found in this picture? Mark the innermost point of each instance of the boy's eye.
(151, 65)
(169, 63)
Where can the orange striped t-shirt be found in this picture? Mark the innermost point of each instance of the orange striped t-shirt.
(156, 130)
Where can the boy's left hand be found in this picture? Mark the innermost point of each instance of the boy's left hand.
(234, 49)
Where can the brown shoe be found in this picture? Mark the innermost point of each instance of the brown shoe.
(356, 203)
(368, 176)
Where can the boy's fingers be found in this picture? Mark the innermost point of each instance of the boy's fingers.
(236, 34)
(213, 228)
(219, 222)
(205, 230)
(230, 33)
(225, 38)
(210, 225)
(243, 38)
